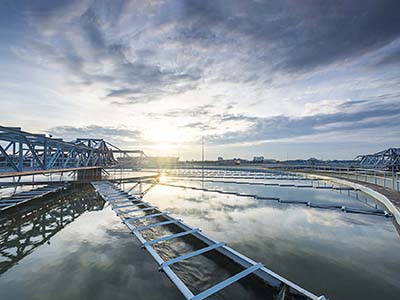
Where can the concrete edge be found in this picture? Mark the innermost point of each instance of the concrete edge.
(370, 192)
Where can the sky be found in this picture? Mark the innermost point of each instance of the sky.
(280, 78)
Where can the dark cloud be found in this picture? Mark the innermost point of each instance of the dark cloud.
(295, 35)
(195, 111)
(80, 40)
(285, 35)
(349, 117)
(123, 92)
(110, 134)
(199, 125)
(392, 58)
(142, 51)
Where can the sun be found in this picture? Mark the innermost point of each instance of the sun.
(168, 138)
(163, 147)
(164, 135)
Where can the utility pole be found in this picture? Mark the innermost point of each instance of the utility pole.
(202, 156)
(393, 179)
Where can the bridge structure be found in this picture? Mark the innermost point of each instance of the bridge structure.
(24, 153)
(385, 159)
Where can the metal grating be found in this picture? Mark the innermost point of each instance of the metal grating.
(113, 194)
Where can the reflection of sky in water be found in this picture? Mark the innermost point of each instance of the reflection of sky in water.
(345, 198)
(10, 191)
(94, 257)
(346, 256)
(40, 177)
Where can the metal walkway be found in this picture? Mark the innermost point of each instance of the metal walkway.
(24, 197)
(122, 200)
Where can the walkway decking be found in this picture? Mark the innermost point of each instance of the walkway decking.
(121, 200)
(393, 196)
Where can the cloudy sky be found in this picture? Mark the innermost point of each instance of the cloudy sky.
(279, 78)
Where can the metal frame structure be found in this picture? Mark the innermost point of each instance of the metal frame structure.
(123, 154)
(23, 151)
(386, 159)
(112, 194)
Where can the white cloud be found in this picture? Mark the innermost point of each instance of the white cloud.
(323, 107)
(148, 65)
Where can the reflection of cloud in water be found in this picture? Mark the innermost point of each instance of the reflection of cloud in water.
(231, 214)
(289, 193)
(95, 248)
(308, 245)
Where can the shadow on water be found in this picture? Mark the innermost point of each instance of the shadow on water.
(22, 231)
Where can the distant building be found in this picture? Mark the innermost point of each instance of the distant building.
(258, 159)
(230, 161)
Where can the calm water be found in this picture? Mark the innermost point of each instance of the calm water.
(341, 255)
(85, 254)
(76, 248)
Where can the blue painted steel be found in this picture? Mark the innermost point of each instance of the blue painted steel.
(121, 201)
(250, 266)
(137, 210)
(123, 206)
(137, 201)
(23, 151)
(26, 151)
(216, 288)
(191, 254)
(146, 217)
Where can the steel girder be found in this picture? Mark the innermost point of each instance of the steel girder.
(389, 158)
(24, 151)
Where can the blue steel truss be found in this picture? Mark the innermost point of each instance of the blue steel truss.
(23, 151)
(386, 159)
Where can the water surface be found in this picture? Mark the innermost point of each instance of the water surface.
(341, 255)
(74, 247)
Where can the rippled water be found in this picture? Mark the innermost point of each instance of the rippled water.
(74, 247)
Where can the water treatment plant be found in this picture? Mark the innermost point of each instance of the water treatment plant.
(199, 149)
(71, 215)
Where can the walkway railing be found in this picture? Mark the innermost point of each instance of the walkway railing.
(387, 179)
